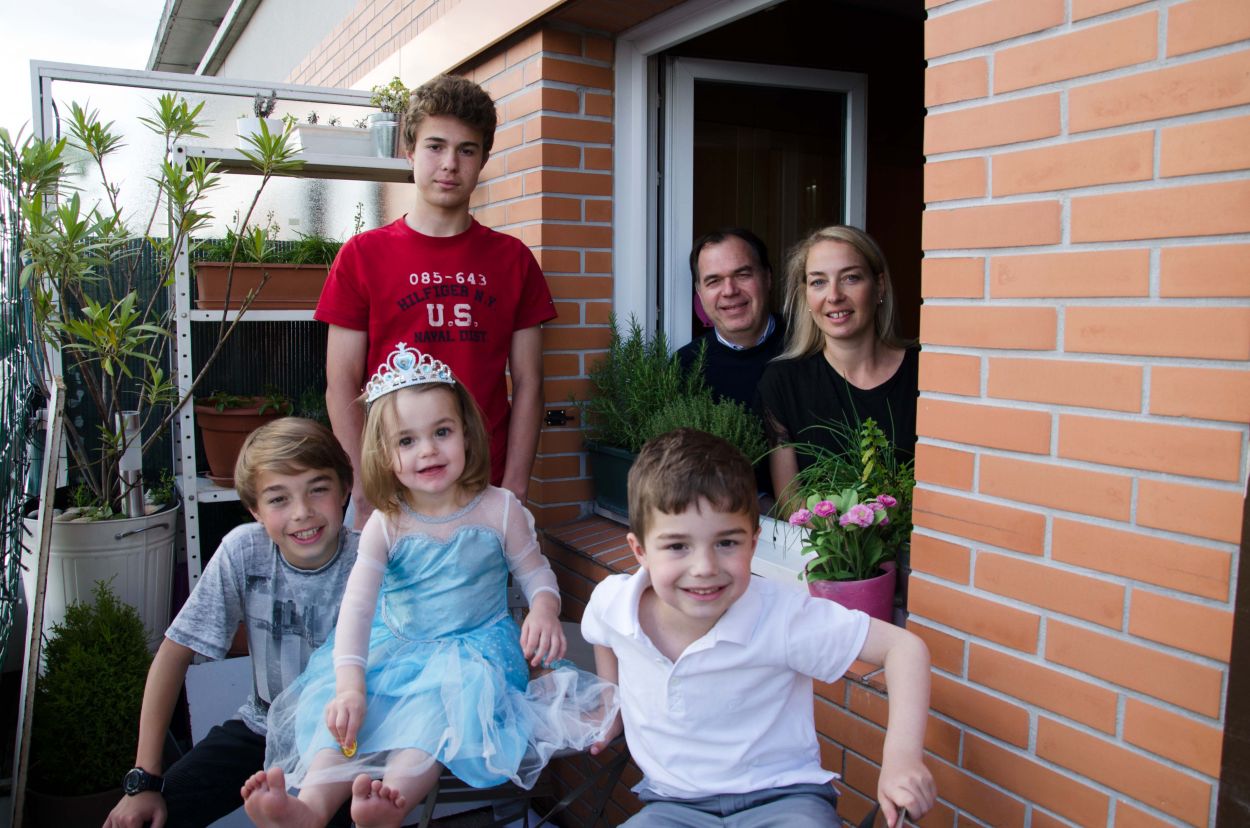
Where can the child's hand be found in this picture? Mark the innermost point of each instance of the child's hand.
(542, 636)
(613, 732)
(344, 716)
(905, 784)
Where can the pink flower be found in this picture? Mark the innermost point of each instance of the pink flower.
(886, 500)
(800, 518)
(825, 508)
(874, 505)
(859, 514)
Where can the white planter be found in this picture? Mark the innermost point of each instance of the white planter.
(779, 555)
(315, 139)
(137, 553)
(251, 126)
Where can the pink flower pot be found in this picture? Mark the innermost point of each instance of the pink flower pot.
(874, 596)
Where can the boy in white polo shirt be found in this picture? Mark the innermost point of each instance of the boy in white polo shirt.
(715, 666)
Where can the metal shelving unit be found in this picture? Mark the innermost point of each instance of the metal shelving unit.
(350, 167)
(197, 489)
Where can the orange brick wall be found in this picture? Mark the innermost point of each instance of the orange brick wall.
(549, 183)
(1085, 393)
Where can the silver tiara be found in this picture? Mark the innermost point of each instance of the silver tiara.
(403, 368)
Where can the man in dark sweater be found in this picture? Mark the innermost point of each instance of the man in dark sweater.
(733, 278)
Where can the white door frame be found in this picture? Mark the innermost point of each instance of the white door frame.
(678, 178)
(634, 179)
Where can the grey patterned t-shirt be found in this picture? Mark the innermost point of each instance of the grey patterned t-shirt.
(289, 612)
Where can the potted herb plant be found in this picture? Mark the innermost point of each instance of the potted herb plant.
(226, 419)
(273, 278)
(641, 392)
(92, 279)
(86, 721)
(260, 124)
(392, 99)
(854, 509)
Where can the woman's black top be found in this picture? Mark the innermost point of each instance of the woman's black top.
(797, 394)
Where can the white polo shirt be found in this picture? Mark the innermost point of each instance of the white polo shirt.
(734, 713)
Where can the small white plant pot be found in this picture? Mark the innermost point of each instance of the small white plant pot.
(245, 127)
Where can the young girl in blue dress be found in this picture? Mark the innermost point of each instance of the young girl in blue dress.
(426, 667)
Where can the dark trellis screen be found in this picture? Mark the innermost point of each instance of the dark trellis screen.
(16, 401)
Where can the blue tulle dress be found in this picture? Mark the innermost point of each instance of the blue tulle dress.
(444, 672)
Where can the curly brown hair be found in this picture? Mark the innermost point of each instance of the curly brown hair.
(455, 96)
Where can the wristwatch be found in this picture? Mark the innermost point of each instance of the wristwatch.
(137, 780)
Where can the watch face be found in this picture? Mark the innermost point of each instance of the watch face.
(135, 781)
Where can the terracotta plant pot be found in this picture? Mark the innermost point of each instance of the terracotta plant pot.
(290, 286)
(875, 596)
(223, 433)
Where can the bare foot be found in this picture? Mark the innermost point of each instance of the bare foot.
(375, 805)
(269, 805)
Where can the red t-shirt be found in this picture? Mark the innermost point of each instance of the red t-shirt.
(459, 298)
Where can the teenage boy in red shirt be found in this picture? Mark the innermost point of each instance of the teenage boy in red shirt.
(438, 280)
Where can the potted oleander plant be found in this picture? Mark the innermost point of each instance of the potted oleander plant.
(94, 279)
(640, 392)
(392, 99)
(853, 508)
(85, 728)
(225, 420)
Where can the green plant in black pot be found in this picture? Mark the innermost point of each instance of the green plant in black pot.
(86, 723)
(637, 377)
(727, 419)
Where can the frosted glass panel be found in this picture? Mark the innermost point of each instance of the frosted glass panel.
(297, 205)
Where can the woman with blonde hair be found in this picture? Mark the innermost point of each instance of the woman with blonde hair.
(843, 362)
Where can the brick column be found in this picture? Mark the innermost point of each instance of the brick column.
(1085, 394)
(549, 183)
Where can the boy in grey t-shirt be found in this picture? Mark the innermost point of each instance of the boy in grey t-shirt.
(283, 578)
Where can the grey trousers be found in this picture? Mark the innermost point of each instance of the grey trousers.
(792, 806)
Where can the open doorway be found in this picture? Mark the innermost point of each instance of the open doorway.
(738, 155)
(751, 130)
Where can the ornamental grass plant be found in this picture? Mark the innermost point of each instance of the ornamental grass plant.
(642, 392)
